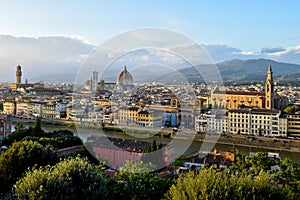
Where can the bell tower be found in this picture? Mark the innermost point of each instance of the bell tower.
(18, 75)
(269, 90)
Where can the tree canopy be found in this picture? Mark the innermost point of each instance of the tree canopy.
(19, 157)
(73, 178)
(209, 184)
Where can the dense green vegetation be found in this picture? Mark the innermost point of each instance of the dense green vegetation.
(19, 157)
(73, 178)
(34, 168)
(209, 184)
(30, 147)
(134, 181)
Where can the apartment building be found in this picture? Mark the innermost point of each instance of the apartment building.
(257, 122)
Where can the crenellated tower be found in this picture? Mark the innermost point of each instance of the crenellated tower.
(18, 75)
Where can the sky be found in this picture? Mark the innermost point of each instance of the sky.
(250, 29)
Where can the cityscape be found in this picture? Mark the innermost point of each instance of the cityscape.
(149, 113)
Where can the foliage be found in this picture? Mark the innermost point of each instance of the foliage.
(37, 129)
(19, 157)
(258, 162)
(60, 133)
(153, 154)
(291, 109)
(57, 142)
(209, 184)
(111, 129)
(291, 175)
(73, 178)
(72, 125)
(135, 181)
(58, 139)
(20, 132)
(83, 152)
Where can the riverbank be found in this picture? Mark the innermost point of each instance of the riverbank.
(254, 141)
(285, 144)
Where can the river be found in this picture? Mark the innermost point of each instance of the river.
(186, 147)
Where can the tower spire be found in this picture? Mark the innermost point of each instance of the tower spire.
(270, 68)
(269, 90)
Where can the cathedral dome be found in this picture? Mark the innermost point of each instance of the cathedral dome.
(124, 78)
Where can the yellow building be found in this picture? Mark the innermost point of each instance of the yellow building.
(235, 99)
(268, 99)
(23, 109)
(149, 118)
(293, 125)
(139, 116)
(102, 102)
(128, 115)
(9, 107)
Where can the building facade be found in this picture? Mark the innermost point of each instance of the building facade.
(261, 122)
(5, 128)
(268, 99)
(293, 126)
(116, 151)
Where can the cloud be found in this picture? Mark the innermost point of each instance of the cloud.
(272, 50)
(41, 55)
(248, 53)
(52, 54)
(223, 52)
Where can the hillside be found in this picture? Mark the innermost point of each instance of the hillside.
(246, 71)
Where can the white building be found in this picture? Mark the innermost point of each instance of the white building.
(23, 109)
(257, 122)
(211, 123)
(244, 121)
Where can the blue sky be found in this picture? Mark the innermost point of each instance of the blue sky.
(248, 25)
(59, 34)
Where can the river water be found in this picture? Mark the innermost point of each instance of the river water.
(187, 147)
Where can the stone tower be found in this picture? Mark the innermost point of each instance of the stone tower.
(269, 90)
(18, 75)
(94, 82)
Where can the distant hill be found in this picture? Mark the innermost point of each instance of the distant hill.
(244, 70)
(254, 69)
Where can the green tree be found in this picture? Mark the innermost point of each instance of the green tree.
(37, 128)
(20, 132)
(20, 127)
(260, 161)
(209, 184)
(134, 181)
(73, 178)
(19, 157)
(240, 164)
(291, 175)
(154, 154)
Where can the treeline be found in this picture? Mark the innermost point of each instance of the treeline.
(76, 178)
(34, 169)
(32, 147)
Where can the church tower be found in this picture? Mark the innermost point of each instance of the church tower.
(269, 90)
(18, 75)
